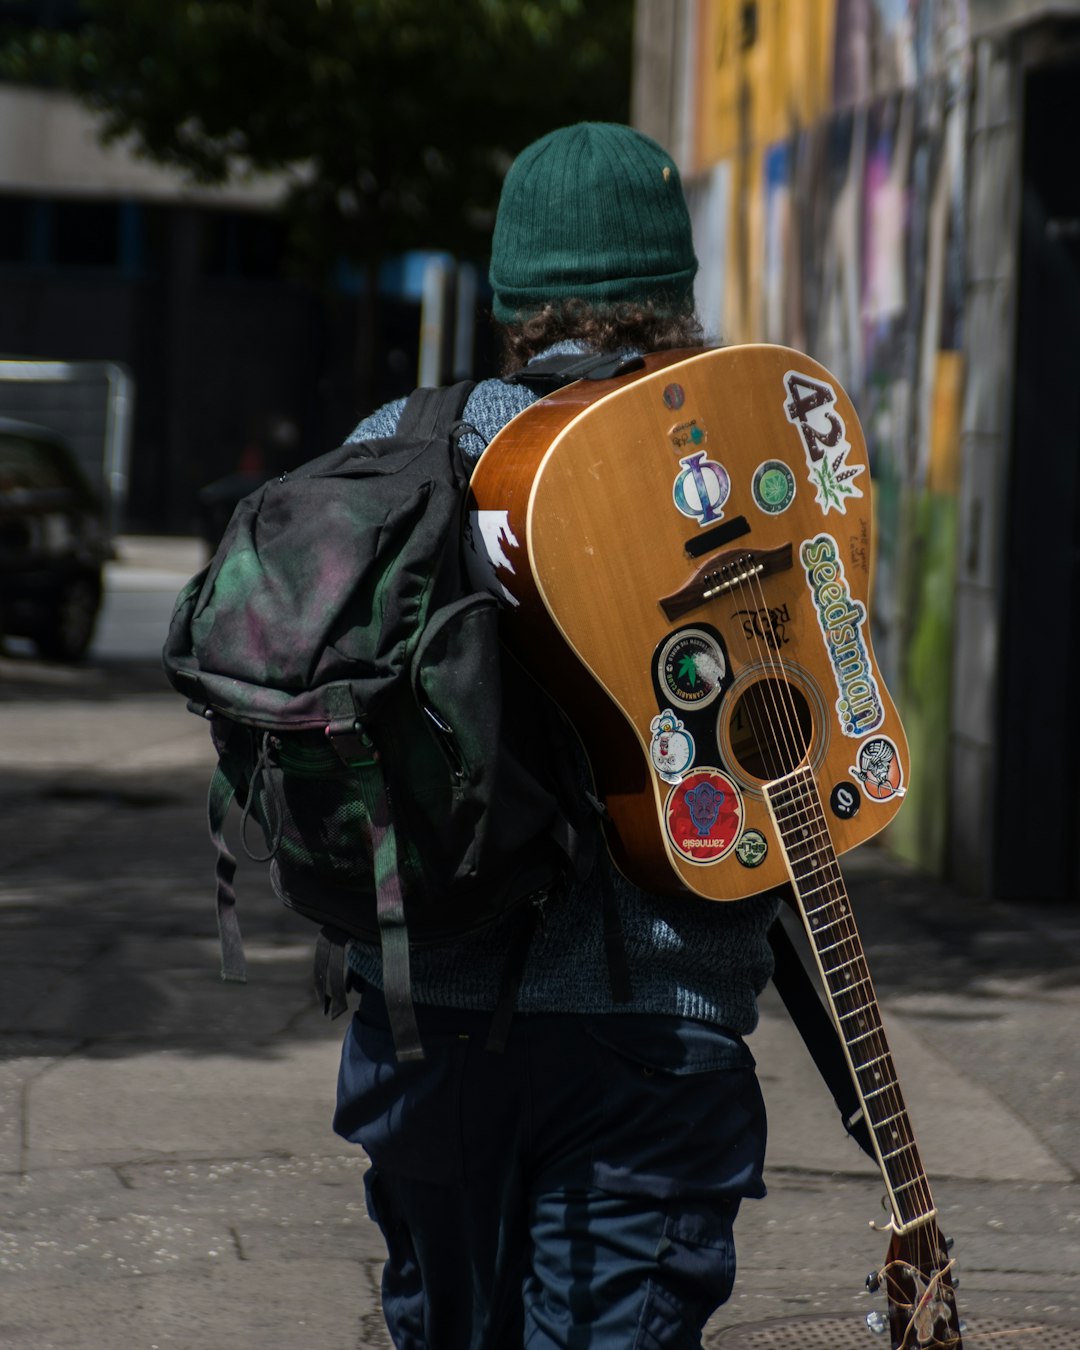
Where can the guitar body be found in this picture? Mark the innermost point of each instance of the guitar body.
(685, 554)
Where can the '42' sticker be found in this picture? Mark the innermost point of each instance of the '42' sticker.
(810, 406)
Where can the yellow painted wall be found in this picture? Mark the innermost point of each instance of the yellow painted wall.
(759, 79)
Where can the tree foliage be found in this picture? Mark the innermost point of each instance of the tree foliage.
(393, 120)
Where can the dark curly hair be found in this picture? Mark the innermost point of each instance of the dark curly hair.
(607, 328)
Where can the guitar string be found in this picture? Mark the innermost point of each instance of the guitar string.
(764, 744)
(905, 1162)
(786, 722)
(936, 1268)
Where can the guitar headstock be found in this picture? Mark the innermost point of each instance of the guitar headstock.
(918, 1279)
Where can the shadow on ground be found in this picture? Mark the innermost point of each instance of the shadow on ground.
(108, 933)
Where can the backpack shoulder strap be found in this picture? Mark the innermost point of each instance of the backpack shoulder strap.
(430, 413)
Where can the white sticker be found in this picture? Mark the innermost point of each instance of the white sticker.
(487, 537)
(672, 748)
(810, 405)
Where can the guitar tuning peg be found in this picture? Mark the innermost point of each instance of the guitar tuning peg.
(949, 1243)
(877, 1321)
(873, 1282)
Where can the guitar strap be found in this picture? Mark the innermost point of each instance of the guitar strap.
(545, 374)
(807, 1011)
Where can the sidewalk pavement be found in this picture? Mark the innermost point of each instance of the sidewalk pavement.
(168, 1175)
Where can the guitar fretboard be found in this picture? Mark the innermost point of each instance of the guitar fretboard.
(795, 806)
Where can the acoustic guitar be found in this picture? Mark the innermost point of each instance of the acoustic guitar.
(684, 556)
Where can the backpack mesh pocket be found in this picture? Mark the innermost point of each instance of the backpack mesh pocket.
(316, 802)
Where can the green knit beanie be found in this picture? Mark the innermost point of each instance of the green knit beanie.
(593, 211)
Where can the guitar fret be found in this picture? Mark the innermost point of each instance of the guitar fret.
(822, 927)
(839, 937)
(829, 880)
(792, 805)
(819, 843)
(809, 855)
(852, 986)
(852, 999)
(807, 846)
(790, 816)
(853, 991)
(907, 1185)
(833, 945)
(808, 868)
(814, 890)
(886, 1087)
(889, 1123)
(860, 1011)
(808, 838)
(805, 833)
(843, 964)
(889, 1157)
(817, 909)
(851, 942)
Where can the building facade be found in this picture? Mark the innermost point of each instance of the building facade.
(234, 360)
(884, 185)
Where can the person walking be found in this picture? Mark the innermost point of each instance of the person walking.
(580, 1188)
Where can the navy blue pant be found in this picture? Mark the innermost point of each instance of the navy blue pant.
(577, 1190)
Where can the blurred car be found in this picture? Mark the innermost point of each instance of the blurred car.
(54, 542)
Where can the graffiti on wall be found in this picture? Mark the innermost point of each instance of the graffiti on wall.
(837, 224)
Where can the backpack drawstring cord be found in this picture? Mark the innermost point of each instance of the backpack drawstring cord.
(272, 837)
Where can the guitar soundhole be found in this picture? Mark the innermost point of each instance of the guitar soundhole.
(770, 729)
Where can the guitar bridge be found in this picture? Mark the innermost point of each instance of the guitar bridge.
(724, 573)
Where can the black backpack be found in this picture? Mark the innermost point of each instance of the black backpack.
(408, 776)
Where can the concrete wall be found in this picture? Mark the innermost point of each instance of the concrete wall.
(991, 263)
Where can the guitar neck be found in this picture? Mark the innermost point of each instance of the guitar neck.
(803, 833)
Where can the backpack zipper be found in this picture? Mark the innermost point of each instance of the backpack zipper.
(444, 734)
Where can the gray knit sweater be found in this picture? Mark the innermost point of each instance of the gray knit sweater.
(687, 956)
